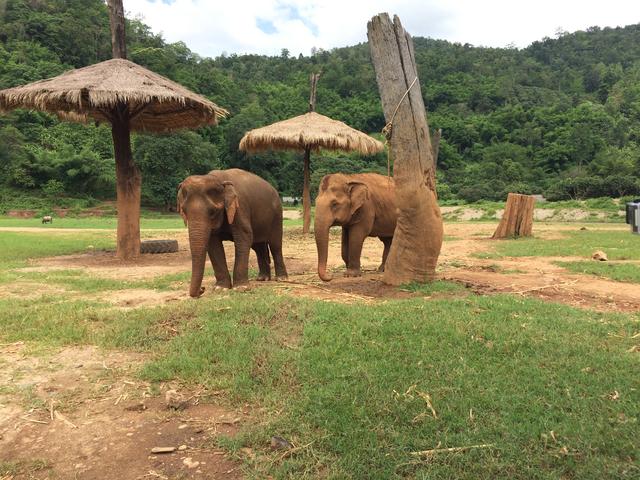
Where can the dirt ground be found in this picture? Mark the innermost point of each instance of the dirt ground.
(527, 276)
(82, 414)
(79, 414)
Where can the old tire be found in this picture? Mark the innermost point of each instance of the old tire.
(159, 246)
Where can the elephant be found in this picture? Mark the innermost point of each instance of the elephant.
(231, 205)
(365, 206)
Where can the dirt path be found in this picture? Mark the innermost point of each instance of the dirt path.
(528, 276)
(79, 413)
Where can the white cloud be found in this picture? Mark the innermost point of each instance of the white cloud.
(211, 27)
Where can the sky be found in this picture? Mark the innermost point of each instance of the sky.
(213, 27)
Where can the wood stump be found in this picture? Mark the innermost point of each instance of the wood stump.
(418, 236)
(517, 219)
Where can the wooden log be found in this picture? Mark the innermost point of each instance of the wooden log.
(418, 236)
(517, 219)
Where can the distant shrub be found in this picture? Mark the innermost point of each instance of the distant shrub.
(53, 188)
(593, 187)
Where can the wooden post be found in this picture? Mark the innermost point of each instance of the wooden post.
(435, 146)
(128, 187)
(128, 178)
(306, 192)
(306, 185)
(418, 236)
(517, 219)
(118, 38)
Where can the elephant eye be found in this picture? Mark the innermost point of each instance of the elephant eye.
(334, 203)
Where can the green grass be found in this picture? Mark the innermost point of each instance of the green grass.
(622, 272)
(347, 383)
(28, 468)
(16, 247)
(618, 245)
(438, 286)
(344, 380)
(166, 222)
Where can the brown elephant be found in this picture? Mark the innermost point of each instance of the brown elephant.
(364, 205)
(231, 205)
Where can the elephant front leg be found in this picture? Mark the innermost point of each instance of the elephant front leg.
(387, 245)
(345, 246)
(241, 264)
(219, 263)
(356, 239)
(264, 261)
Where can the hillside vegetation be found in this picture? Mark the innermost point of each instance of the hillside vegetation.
(560, 117)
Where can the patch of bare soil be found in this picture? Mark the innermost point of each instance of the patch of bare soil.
(141, 297)
(535, 276)
(80, 414)
(529, 276)
(291, 214)
(28, 290)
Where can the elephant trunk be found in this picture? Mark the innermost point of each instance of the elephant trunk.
(199, 233)
(321, 230)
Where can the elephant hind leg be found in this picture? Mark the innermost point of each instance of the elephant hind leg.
(387, 245)
(275, 245)
(264, 261)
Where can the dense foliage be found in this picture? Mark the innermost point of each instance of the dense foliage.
(561, 117)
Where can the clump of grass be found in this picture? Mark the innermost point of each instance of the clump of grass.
(619, 245)
(430, 288)
(10, 469)
(622, 272)
(16, 247)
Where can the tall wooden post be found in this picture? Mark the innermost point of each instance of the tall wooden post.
(306, 190)
(118, 37)
(418, 236)
(435, 146)
(128, 178)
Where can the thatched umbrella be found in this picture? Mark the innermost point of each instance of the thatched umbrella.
(308, 132)
(129, 97)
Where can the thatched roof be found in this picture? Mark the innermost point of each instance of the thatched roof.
(158, 104)
(310, 130)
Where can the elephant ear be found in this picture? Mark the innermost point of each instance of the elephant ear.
(180, 197)
(324, 183)
(358, 193)
(230, 201)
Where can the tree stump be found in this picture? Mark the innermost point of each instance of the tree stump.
(517, 219)
(418, 236)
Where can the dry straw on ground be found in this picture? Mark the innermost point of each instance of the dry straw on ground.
(157, 104)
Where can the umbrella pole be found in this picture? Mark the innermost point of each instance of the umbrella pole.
(128, 183)
(306, 193)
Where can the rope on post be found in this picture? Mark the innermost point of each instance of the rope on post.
(388, 128)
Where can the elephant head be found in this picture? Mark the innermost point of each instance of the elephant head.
(338, 203)
(205, 203)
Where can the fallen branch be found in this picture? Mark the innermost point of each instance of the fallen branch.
(34, 421)
(554, 285)
(59, 416)
(433, 451)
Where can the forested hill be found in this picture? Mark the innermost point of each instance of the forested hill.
(560, 117)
